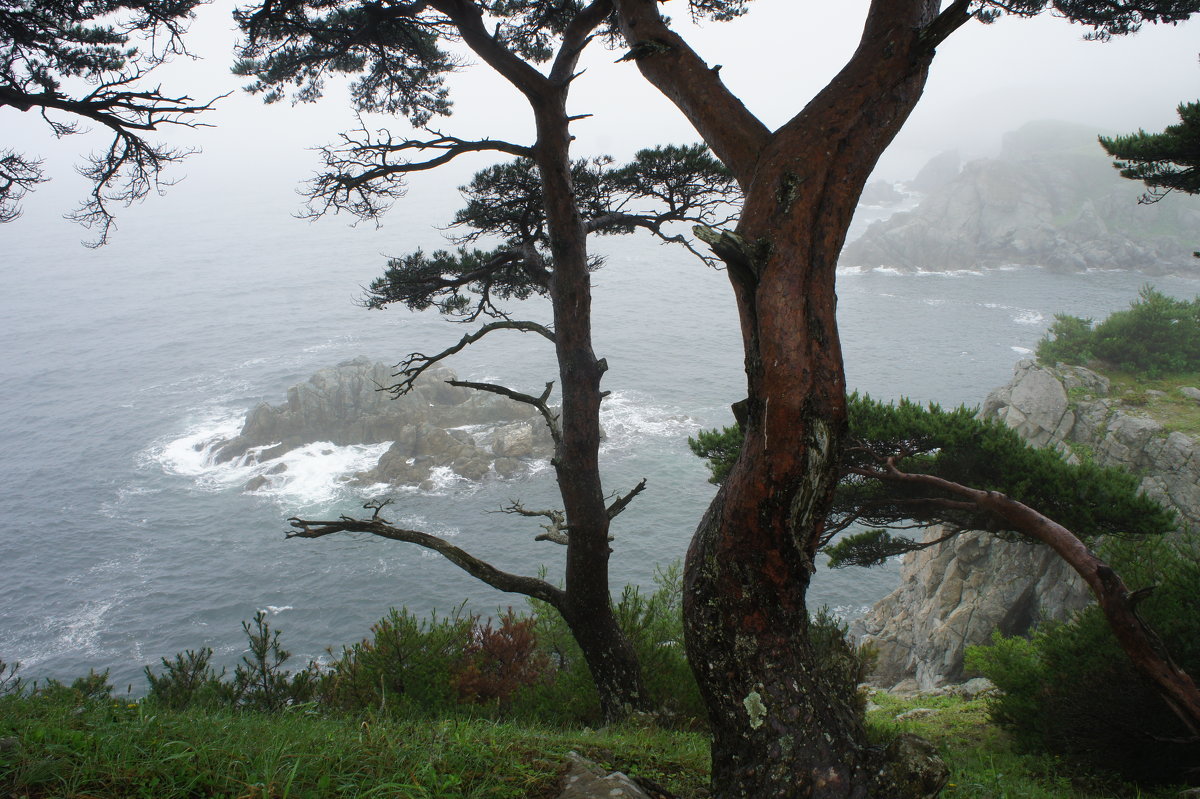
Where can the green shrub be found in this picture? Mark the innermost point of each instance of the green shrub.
(1158, 335)
(189, 679)
(10, 682)
(1068, 340)
(1072, 691)
(260, 682)
(407, 663)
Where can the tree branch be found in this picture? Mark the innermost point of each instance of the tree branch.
(415, 364)
(537, 402)
(669, 63)
(481, 570)
(556, 530)
(362, 178)
(623, 502)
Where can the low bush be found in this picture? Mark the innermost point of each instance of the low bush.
(1072, 691)
(1158, 335)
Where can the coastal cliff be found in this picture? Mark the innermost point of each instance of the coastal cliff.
(1051, 198)
(956, 594)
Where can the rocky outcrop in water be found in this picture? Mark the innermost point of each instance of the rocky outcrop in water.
(435, 426)
(956, 594)
(1051, 198)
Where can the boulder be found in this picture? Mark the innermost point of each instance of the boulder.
(585, 780)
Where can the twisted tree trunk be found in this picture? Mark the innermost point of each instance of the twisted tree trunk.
(780, 727)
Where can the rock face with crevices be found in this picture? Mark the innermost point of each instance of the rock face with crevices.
(956, 594)
(436, 425)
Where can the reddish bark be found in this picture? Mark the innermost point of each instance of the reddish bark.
(779, 729)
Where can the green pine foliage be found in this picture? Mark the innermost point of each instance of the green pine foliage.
(955, 445)
(1157, 336)
(1165, 162)
(1071, 691)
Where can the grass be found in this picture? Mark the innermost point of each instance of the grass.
(983, 762)
(1173, 410)
(105, 748)
(74, 748)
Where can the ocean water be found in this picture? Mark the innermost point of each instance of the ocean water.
(122, 542)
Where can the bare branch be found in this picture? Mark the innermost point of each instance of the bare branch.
(365, 173)
(18, 176)
(414, 365)
(538, 402)
(378, 526)
(556, 530)
(130, 168)
(623, 502)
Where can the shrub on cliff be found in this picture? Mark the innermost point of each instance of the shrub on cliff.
(1158, 335)
(1070, 690)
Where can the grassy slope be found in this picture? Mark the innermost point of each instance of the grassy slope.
(1173, 410)
(62, 747)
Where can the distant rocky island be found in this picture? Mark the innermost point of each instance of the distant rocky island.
(1051, 198)
(436, 425)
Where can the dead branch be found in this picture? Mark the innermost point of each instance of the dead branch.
(378, 526)
(416, 363)
(538, 402)
(556, 530)
(622, 503)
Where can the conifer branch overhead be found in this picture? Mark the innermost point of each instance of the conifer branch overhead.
(112, 46)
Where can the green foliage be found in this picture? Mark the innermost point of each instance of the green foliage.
(840, 665)
(984, 455)
(407, 663)
(867, 548)
(654, 624)
(1067, 341)
(1158, 335)
(720, 448)
(189, 679)
(956, 446)
(91, 687)
(260, 681)
(1165, 162)
(1072, 691)
(660, 186)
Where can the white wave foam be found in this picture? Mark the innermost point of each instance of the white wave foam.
(1021, 350)
(308, 475)
(1028, 317)
(628, 421)
(275, 610)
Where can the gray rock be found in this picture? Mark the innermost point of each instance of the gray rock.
(435, 425)
(1190, 392)
(585, 780)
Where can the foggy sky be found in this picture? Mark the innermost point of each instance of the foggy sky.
(985, 80)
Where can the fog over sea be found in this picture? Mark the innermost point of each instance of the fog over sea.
(123, 543)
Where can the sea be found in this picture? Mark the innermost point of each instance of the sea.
(122, 541)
